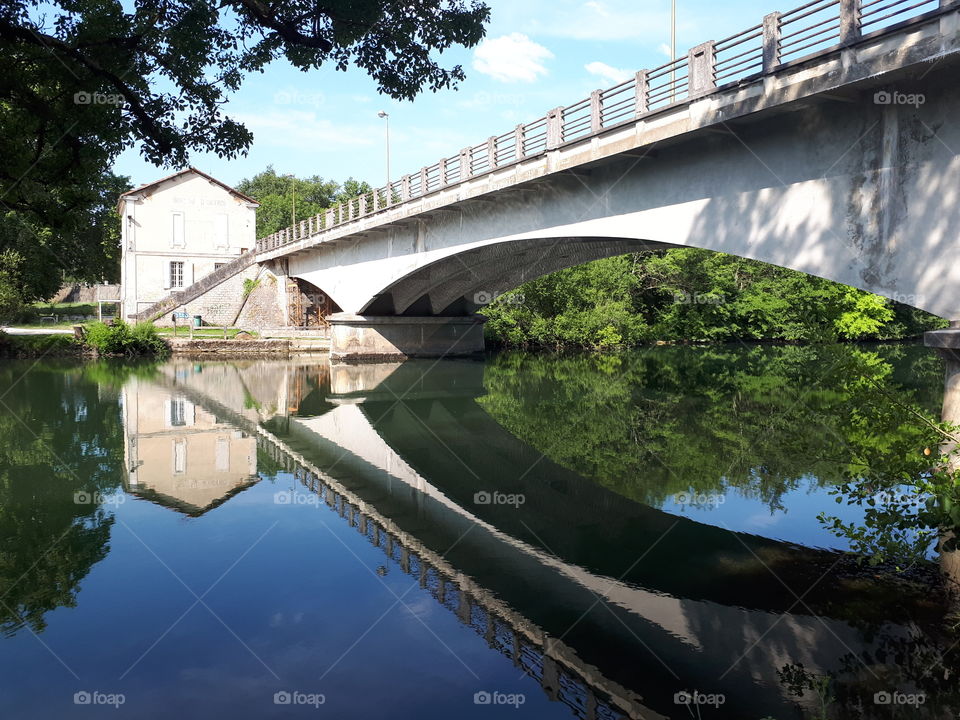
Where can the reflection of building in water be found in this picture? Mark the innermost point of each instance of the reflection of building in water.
(180, 455)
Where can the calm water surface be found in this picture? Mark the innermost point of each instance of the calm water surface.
(544, 537)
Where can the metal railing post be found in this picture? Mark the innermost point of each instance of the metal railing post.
(771, 41)
(492, 151)
(519, 133)
(466, 164)
(701, 69)
(554, 128)
(596, 119)
(404, 188)
(850, 26)
(641, 91)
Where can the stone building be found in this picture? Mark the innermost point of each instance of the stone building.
(178, 229)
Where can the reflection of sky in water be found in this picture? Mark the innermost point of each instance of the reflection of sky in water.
(794, 520)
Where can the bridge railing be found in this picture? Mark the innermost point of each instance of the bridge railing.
(817, 27)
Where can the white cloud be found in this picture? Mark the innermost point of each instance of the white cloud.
(609, 74)
(511, 58)
(665, 49)
(301, 128)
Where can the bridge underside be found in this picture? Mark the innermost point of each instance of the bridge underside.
(837, 186)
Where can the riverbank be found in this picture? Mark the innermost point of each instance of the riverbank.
(58, 344)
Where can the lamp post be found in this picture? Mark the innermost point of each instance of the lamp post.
(385, 116)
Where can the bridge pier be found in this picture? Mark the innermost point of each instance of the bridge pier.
(366, 338)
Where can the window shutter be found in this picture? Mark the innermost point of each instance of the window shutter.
(165, 271)
(188, 274)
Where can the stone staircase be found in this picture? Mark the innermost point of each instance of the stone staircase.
(201, 286)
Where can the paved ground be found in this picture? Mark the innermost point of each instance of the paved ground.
(37, 331)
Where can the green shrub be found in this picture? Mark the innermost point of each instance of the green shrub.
(122, 339)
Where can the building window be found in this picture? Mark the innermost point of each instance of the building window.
(179, 456)
(221, 231)
(177, 415)
(176, 274)
(177, 238)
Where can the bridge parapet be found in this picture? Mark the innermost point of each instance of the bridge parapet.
(780, 41)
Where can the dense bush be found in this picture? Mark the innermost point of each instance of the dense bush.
(123, 339)
(688, 294)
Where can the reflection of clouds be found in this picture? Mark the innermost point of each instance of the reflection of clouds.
(422, 607)
(280, 619)
(762, 520)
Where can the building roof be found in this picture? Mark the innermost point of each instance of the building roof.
(185, 171)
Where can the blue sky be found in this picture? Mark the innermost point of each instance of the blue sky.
(538, 54)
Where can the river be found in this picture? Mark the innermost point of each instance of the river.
(625, 535)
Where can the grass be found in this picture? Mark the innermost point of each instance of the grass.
(39, 345)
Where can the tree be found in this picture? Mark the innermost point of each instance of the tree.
(35, 259)
(84, 79)
(688, 294)
(275, 193)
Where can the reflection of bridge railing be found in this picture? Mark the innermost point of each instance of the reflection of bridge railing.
(561, 674)
(815, 28)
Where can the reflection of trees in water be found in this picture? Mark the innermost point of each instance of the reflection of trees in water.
(61, 434)
(764, 420)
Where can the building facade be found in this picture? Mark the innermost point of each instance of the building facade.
(176, 230)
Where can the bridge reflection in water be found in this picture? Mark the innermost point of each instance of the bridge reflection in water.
(611, 605)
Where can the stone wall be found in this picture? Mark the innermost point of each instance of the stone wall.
(160, 311)
(262, 308)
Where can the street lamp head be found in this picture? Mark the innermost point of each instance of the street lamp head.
(383, 114)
